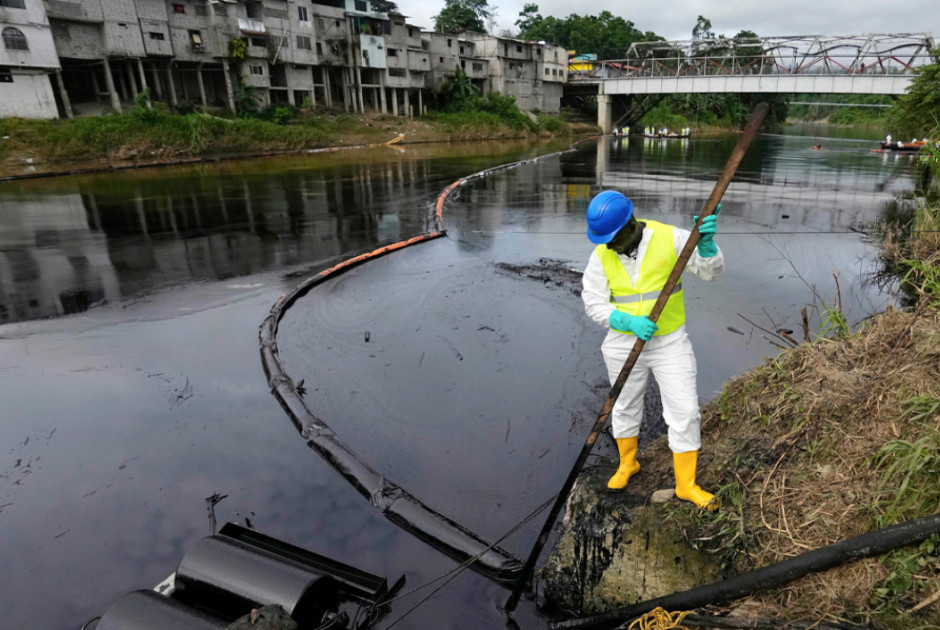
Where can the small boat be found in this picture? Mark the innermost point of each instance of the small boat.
(902, 146)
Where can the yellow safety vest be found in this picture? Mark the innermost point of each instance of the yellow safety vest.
(658, 262)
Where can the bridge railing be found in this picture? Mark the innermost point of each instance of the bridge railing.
(802, 55)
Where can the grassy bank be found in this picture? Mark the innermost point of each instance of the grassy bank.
(152, 135)
(835, 437)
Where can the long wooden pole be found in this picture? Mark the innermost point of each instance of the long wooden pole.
(750, 131)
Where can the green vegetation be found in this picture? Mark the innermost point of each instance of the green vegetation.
(148, 133)
(916, 111)
(463, 15)
(841, 115)
(605, 35)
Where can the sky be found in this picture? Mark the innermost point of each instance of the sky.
(674, 19)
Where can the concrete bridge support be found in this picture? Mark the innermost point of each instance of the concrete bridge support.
(603, 113)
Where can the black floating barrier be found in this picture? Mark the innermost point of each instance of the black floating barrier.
(396, 504)
(146, 610)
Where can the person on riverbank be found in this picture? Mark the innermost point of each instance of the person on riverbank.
(621, 283)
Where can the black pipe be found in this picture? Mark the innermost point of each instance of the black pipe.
(863, 546)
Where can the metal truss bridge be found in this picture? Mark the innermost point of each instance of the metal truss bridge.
(809, 64)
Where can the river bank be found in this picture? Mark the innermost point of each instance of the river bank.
(836, 436)
(145, 137)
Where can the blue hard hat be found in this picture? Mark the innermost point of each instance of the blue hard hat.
(606, 214)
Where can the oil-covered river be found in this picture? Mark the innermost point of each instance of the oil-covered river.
(132, 389)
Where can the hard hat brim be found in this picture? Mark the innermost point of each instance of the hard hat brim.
(602, 239)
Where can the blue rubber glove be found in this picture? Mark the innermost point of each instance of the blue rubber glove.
(706, 244)
(639, 325)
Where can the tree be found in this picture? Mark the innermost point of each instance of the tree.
(384, 6)
(528, 17)
(702, 29)
(916, 112)
(606, 35)
(463, 15)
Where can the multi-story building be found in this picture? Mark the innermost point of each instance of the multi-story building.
(533, 72)
(224, 54)
(27, 59)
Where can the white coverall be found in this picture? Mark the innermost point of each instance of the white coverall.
(669, 356)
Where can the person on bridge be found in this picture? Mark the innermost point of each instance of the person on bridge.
(621, 283)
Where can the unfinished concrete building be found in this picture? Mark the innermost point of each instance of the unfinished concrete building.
(236, 54)
(27, 60)
(533, 72)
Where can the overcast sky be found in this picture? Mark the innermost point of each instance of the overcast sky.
(674, 19)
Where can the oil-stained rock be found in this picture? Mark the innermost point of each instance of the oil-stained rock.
(616, 550)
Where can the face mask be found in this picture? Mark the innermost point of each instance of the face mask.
(627, 238)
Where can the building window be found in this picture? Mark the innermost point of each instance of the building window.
(411, 32)
(6, 75)
(463, 64)
(392, 52)
(253, 10)
(178, 8)
(201, 10)
(157, 37)
(518, 48)
(219, 10)
(13, 39)
(449, 42)
(302, 14)
(303, 42)
(477, 67)
(13, 4)
(196, 38)
(259, 70)
(461, 50)
(440, 59)
(361, 5)
(546, 71)
(319, 48)
(258, 41)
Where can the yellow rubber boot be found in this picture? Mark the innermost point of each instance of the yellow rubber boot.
(628, 464)
(686, 488)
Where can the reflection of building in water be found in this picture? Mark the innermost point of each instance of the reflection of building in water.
(51, 261)
(116, 237)
(202, 228)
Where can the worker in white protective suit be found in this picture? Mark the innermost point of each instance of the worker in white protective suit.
(622, 281)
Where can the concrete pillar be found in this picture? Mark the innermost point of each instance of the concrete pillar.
(420, 104)
(407, 102)
(171, 85)
(362, 102)
(229, 92)
(313, 92)
(202, 88)
(382, 97)
(132, 83)
(327, 87)
(603, 112)
(157, 83)
(395, 101)
(109, 81)
(95, 85)
(290, 92)
(347, 92)
(66, 103)
(143, 80)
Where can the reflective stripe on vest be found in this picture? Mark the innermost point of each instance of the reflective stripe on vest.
(658, 261)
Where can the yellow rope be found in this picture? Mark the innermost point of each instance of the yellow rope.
(659, 619)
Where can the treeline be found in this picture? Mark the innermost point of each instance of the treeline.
(609, 37)
(842, 109)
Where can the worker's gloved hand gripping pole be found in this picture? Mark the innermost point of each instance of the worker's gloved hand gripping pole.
(750, 131)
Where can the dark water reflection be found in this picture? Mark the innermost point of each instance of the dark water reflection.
(120, 420)
(70, 243)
